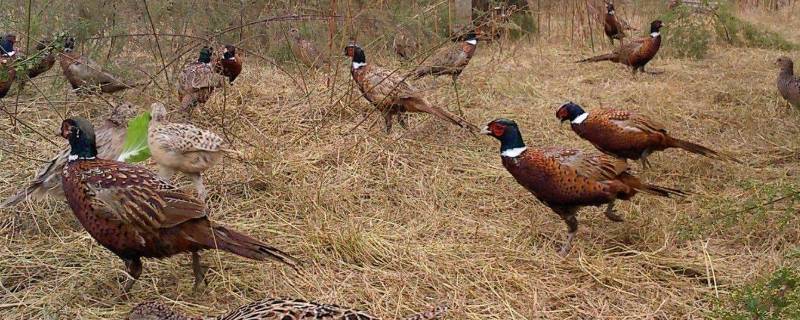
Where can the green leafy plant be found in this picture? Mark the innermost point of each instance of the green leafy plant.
(135, 148)
(777, 297)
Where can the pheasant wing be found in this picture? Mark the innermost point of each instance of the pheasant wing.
(595, 166)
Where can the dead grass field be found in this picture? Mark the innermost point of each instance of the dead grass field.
(401, 222)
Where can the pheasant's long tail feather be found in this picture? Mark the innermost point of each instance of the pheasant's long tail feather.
(604, 57)
(435, 313)
(421, 72)
(245, 246)
(655, 190)
(420, 105)
(46, 182)
(698, 149)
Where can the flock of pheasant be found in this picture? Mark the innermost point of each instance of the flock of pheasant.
(135, 212)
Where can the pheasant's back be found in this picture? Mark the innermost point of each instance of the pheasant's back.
(789, 87)
(290, 309)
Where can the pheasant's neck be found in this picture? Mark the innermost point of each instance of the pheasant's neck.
(580, 118)
(511, 145)
(787, 71)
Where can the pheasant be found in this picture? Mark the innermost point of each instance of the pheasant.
(7, 57)
(274, 309)
(305, 51)
(627, 134)
(404, 44)
(197, 81)
(567, 179)
(132, 212)
(788, 84)
(612, 27)
(45, 62)
(85, 75)
(230, 65)
(391, 94)
(450, 60)
(183, 147)
(636, 53)
(110, 140)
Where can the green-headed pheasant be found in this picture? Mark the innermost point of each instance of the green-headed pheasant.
(134, 213)
(87, 76)
(110, 140)
(183, 147)
(274, 309)
(230, 65)
(788, 84)
(197, 81)
(391, 94)
(626, 134)
(636, 53)
(567, 179)
(7, 56)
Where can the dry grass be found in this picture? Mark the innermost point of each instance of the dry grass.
(397, 223)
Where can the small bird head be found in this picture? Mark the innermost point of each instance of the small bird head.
(80, 134)
(569, 111)
(229, 52)
(610, 8)
(7, 45)
(355, 52)
(69, 44)
(122, 113)
(152, 310)
(158, 112)
(655, 26)
(294, 33)
(785, 62)
(205, 55)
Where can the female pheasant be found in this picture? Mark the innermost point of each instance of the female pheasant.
(274, 309)
(567, 179)
(134, 213)
(110, 139)
(183, 147)
(46, 61)
(230, 65)
(391, 94)
(404, 44)
(7, 57)
(637, 53)
(87, 76)
(626, 134)
(788, 84)
(305, 50)
(450, 60)
(197, 82)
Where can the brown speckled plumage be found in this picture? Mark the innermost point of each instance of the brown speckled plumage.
(134, 213)
(87, 76)
(305, 51)
(568, 179)
(788, 83)
(391, 94)
(611, 26)
(110, 139)
(628, 134)
(183, 147)
(197, 82)
(404, 44)
(449, 60)
(274, 309)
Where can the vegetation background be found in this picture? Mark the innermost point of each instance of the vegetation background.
(401, 222)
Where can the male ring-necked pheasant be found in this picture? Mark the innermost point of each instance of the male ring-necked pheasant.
(788, 84)
(48, 59)
(110, 140)
(627, 134)
(183, 147)
(567, 179)
(7, 56)
(391, 94)
(450, 60)
(612, 26)
(85, 75)
(636, 53)
(134, 213)
(230, 65)
(274, 309)
(197, 81)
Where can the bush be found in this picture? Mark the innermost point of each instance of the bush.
(777, 297)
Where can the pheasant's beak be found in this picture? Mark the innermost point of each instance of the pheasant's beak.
(486, 130)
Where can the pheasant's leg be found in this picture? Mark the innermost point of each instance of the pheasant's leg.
(198, 184)
(165, 172)
(572, 228)
(643, 159)
(610, 213)
(199, 271)
(458, 98)
(387, 118)
(134, 269)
